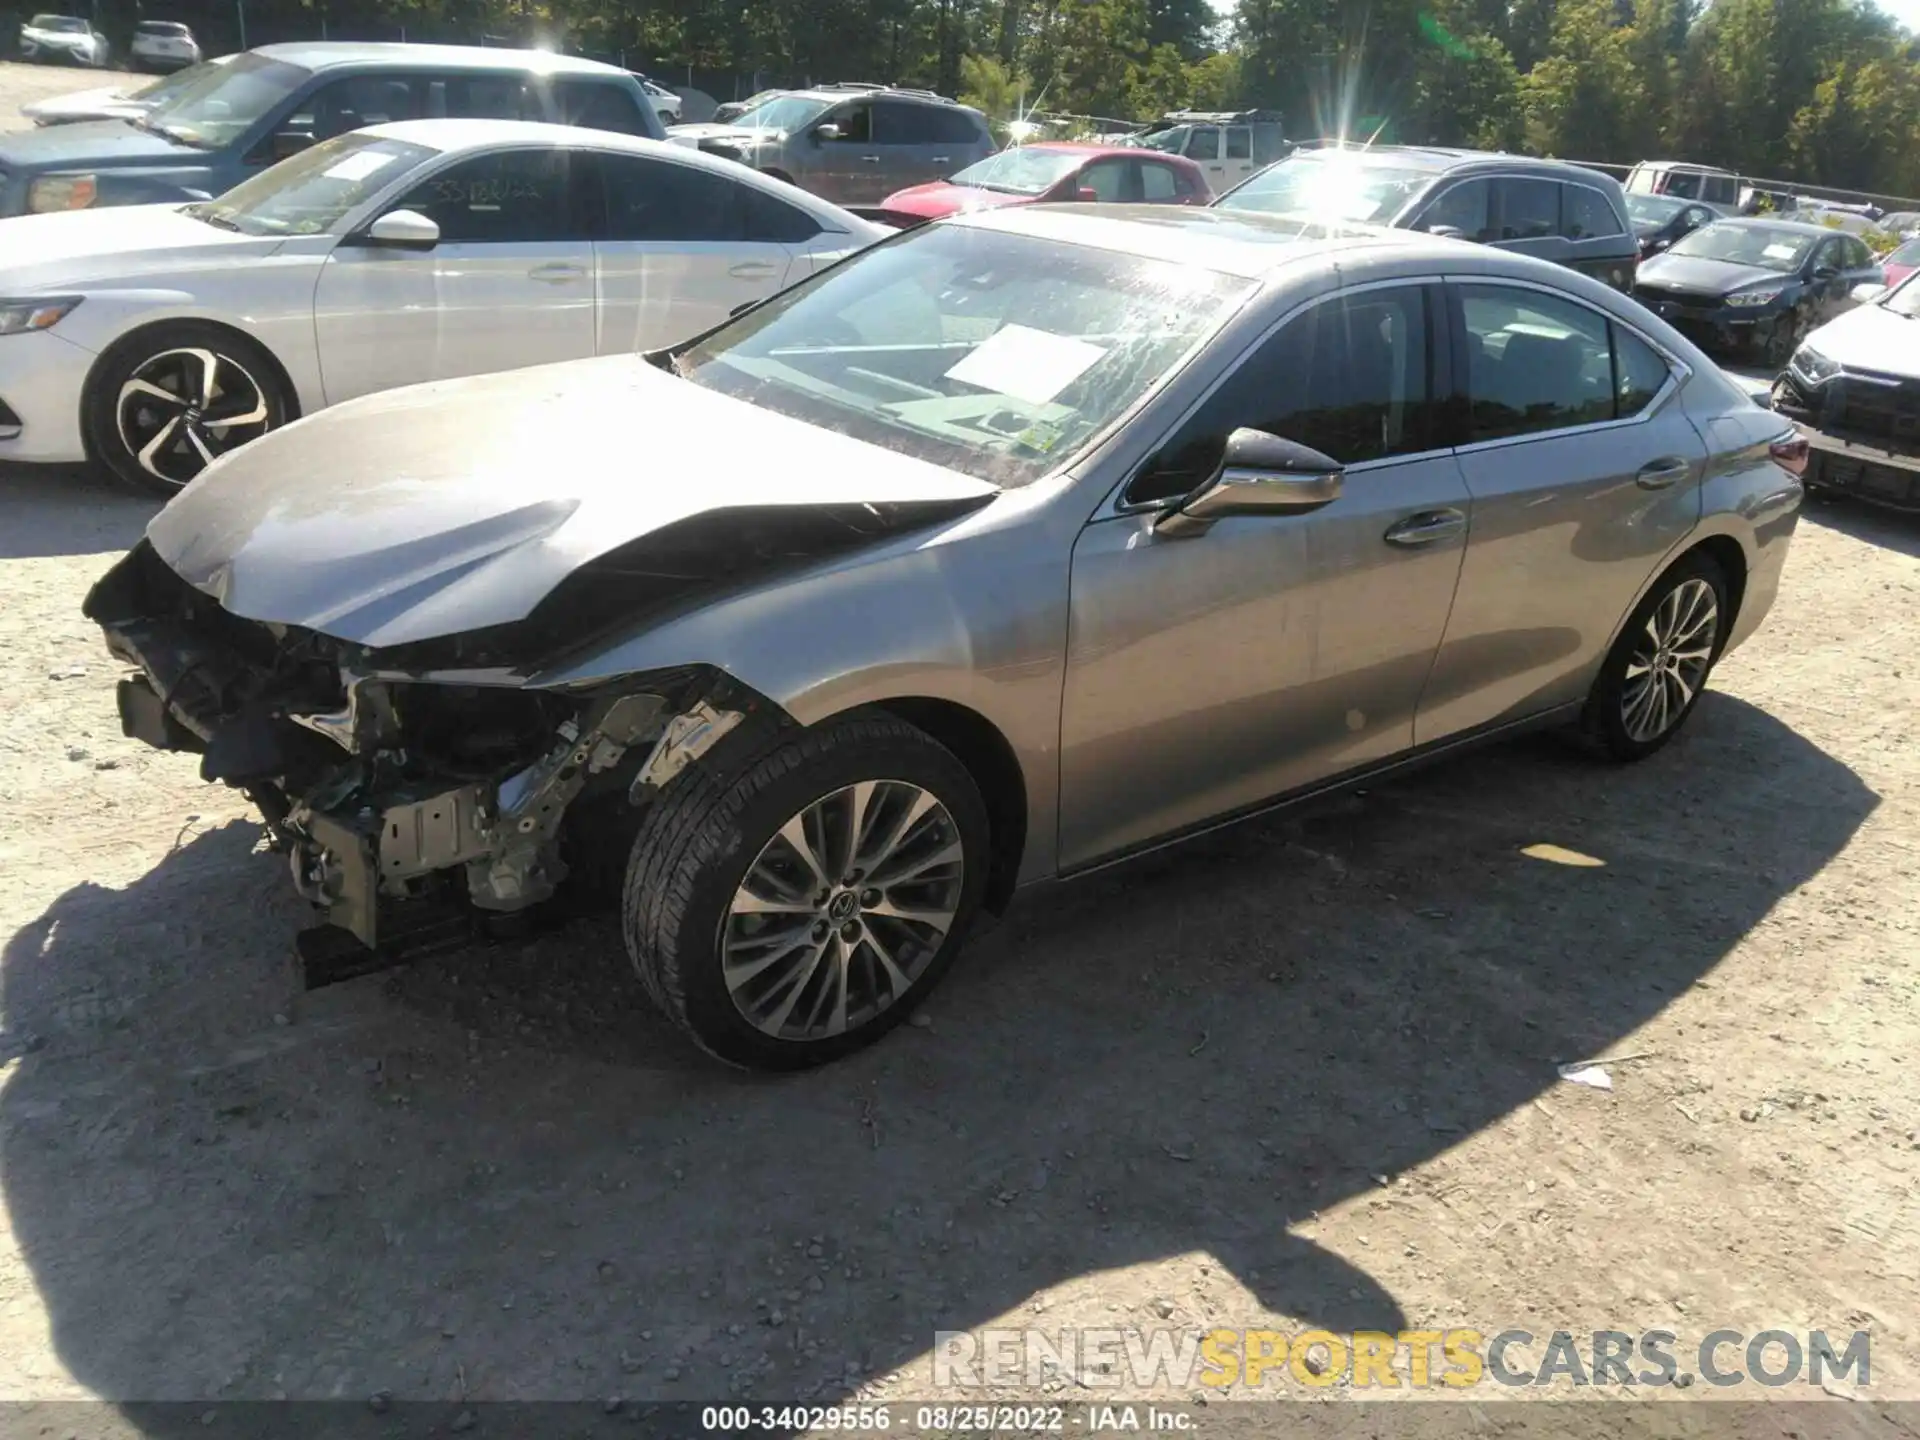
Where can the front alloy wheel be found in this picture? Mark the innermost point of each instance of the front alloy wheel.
(798, 909)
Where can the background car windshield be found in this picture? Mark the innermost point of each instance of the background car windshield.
(228, 100)
(1021, 172)
(1652, 209)
(996, 355)
(1756, 245)
(783, 112)
(1907, 254)
(167, 29)
(66, 24)
(314, 190)
(1328, 187)
(1166, 141)
(1904, 298)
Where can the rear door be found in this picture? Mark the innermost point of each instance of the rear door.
(1585, 473)
(1596, 235)
(509, 284)
(1237, 153)
(911, 148)
(1528, 218)
(682, 247)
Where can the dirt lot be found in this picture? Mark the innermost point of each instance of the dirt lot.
(20, 84)
(1300, 1074)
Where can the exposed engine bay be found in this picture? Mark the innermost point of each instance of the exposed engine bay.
(406, 803)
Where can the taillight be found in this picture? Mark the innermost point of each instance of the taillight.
(1790, 453)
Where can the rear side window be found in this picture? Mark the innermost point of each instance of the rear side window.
(953, 127)
(1535, 362)
(1683, 185)
(1529, 209)
(1723, 189)
(1586, 214)
(896, 123)
(763, 218)
(1639, 373)
(598, 105)
(658, 200)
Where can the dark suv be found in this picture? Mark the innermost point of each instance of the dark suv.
(853, 143)
(1565, 213)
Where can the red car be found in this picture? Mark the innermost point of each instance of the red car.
(1902, 263)
(1029, 174)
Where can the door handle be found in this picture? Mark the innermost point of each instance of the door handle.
(870, 159)
(558, 274)
(943, 159)
(1426, 527)
(1659, 474)
(752, 270)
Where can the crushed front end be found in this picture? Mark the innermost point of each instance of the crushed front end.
(413, 803)
(1863, 427)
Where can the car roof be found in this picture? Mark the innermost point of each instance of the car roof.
(1229, 242)
(329, 54)
(1761, 222)
(1089, 147)
(880, 92)
(1443, 159)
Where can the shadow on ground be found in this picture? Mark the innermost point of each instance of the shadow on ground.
(496, 1175)
(59, 510)
(1875, 525)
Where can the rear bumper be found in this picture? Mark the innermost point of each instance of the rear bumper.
(1871, 472)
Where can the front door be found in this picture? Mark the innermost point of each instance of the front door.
(851, 164)
(1203, 148)
(509, 284)
(1585, 474)
(1268, 653)
(683, 248)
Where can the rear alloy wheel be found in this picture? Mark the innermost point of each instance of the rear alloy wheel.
(1656, 670)
(800, 911)
(162, 409)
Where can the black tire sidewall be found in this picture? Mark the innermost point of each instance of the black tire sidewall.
(1604, 718)
(733, 825)
(97, 420)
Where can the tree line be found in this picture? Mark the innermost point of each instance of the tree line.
(1818, 91)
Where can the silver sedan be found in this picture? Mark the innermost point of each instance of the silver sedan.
(1006, 550)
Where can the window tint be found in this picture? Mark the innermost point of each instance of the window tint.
(1859, 256)
(1534, 362)
(1107, 179)
(952, 127)
(1639, 373)
(1349, 378)
(658, 200)
(1722, 190)
(1204, 143)
(358, 101)
(598, 105)
(856, 124)
(763, 218)
(1586, 214)
(1239, 143)
(1158, 183)
(1463, 207)
(1687, 187)
(898, 123)
(513, 195)
(1529, 209)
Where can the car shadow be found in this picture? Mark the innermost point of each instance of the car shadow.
(1873, 524)
(495, 1175)
(48, 510)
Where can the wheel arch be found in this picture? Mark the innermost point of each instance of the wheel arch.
(990, 758)
(1725, 550)
(128, 338)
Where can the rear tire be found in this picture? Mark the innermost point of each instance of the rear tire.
(1788, 331)
(773, 956)
(163, 403)
(1653, 676)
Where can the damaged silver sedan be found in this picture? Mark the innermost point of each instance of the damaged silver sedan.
(1005, 550)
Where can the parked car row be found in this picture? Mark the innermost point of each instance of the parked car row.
(154, 45)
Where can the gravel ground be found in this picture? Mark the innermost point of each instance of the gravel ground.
(1303, 1073)
(20, 84)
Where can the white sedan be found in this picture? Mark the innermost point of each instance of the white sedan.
(151, 338)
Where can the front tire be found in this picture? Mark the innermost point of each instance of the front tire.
(164, 404)
(797, 912)
(1788, 331)
(1653, 676)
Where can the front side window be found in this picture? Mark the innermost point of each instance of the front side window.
(1158, 183)
(1586, 214)
(1107, 179)
(1686, 186)
(315, 190)
(856, 124)
(507, 196)
(1330, 186)
(1350, 378)
(1239, 143)
(1529, 209)
(1465, 208)
(1534, 362)
(997, 355)
(1204, 143)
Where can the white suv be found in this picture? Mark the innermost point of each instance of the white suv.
(164, 45)
(64, 38)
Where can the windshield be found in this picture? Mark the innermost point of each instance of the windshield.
(316, 189)
(1652, 209)
(1762, 246)
(225, 101)
(1907, 254)
(65, 24)
(1168, 141)
(163, 28)
(996, 355)
(783, 112)
(167, 86)
(1330, 185)
(1021, 172)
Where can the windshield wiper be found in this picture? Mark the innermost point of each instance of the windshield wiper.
(214, 217)
(179, 137)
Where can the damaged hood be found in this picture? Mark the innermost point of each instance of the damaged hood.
(451, 507)
(1871, 337)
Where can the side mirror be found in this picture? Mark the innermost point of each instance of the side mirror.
(1866, 294)
(1086, 194)
(402, 230)
(1825, 272)
(828, 131)
(1261, 474)
(1447, 232)
(291, 142)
